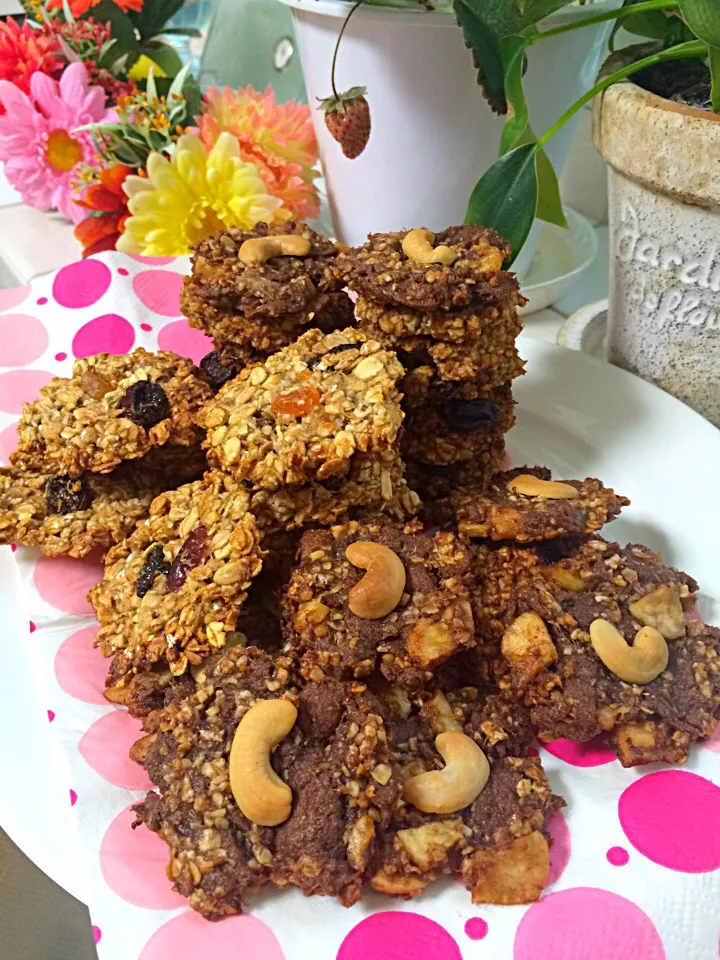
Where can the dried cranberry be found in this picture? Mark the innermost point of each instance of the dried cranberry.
(67, 494)
(467, 415)
(191, 554)
(217, 371)
(145, 403)
(154, 564)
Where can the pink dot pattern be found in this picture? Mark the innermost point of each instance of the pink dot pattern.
(185, 340)
(591, 754)
(63, 582)
(560, 848)
(665, 816)
(618, 856)
(476, 928)
(106, 745)
(159, 291)
(24, 339)
(81, 284)
(188, 937)
(80, 669)
(109, 333)
(9, 299)
(400, 935)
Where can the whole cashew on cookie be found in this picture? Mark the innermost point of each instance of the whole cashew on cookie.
(458, 784)
(640, 663)
(259, 249)
(259, 792)
(382, 587)
(418, 245)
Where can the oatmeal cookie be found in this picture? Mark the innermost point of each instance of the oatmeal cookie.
(454, 326)
(281, 285)
(226, 361)
(428, 617)
(304, 413)
(515, 507)
(174, 588)
(72, 515)
(498, 843)
(458, 430)
(555, 669)
(380, 271)
(113, 408)
(334, 760)
(435, 482)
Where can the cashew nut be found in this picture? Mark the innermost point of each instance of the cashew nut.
(258, 790)
(661, 608)
(260, 249)
(418, 245)
(382, 587)
(455, 787)
(640, 663)
(532, 486)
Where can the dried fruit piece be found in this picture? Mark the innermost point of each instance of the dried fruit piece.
(190, 555)
(67, 494)
(154, 564)
(338, 348)
(218, 372)
(296, 403)
(145, 403)
(467, 415)
(95, 384)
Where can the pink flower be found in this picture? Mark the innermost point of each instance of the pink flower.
(38, 142)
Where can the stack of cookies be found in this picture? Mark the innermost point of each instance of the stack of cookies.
(449, 310)
(255, 292)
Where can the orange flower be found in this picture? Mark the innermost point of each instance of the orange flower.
(79, 7)
(107, 201)
(25, 51)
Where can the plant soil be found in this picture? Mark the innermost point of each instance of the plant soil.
(683, 81)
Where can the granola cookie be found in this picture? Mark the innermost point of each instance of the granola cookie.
(515, 507)
(434, 482)
(335, 761)
(571, 692)
(113, 408)
(303, 414)
(72, 515)
(429, 620)
(498, 844)
(380, 271)
(453, 326)
(280, 286)
(173, 590)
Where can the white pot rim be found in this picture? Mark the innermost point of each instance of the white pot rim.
(340, 9)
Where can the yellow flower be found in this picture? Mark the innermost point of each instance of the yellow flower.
(193, 195)
(141, 69)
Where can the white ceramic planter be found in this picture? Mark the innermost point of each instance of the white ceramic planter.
(433, 135)
(664, 204)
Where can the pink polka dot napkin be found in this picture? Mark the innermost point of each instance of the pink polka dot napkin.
(636, 856)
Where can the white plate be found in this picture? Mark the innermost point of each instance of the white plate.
(577, 415)
(559, 262)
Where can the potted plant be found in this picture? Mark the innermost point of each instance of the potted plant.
(433, 134)
(661, 138)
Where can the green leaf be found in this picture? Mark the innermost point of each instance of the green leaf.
(165, 57)
(714, 61)
(181, 32)
(484, 24)
(506, 196)
(179, 81)
(150, 88)
(513, 55)
(652, 24)
(703, 18)
(533, 11)
(121, 26)
(154, 15)
(549, 205)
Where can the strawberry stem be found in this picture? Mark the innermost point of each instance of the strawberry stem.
(337, 47)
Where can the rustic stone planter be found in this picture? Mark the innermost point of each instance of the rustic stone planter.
(664, 203)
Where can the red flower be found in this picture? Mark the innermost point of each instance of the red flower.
(25, 51)
(107, 202)
(79, 7)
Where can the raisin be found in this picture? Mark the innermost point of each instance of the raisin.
(338, 348)
(154, 564)
(67, 494)
(145, 403)
(95, 384)
(247, 484)
(216, 371)
(190, 555)
(467, 415)
(296, 403)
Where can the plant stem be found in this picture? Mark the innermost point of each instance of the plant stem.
(620, 14)
(694, 48)
(714, 61)
(337, 46)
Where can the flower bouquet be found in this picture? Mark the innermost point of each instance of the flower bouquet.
(100, 121)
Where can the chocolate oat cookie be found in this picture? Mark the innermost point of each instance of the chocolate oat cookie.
(434, 482)
(606, 640)
(72, 515)
(173, 590)
(496, 838)
(306, 412)
(113, 408)
(271, 283)
(374, 594)
(335, 783)
(525, 505)
(381, 271)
